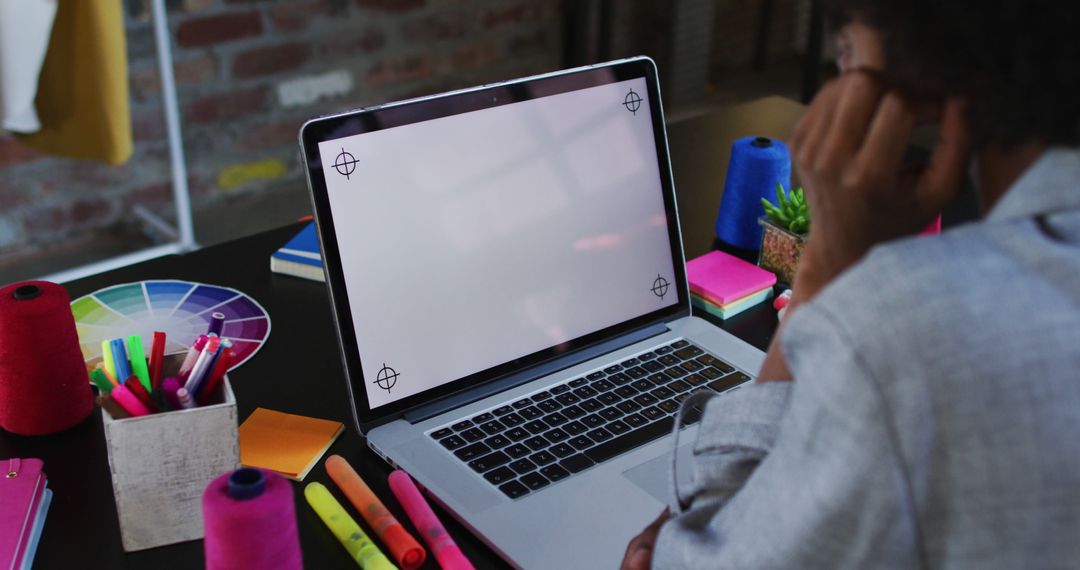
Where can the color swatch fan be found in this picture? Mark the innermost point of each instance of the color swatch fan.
(179, 308)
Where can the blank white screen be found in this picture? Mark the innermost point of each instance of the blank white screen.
(473, 240)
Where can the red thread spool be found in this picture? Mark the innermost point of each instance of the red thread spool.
(44, 386)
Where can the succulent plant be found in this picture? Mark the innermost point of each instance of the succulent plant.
(790, 211)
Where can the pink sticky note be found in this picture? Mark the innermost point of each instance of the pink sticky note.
(725, 278)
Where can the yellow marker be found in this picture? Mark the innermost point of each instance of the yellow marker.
(106, 353)
(360, 547)
(241, 174)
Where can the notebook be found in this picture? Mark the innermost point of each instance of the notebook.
(299, 256)
(24, 503)
(725, 279)
(287, 444)
(510, 297)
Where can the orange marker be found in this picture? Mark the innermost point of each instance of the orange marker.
(105, 370)
(403, 547)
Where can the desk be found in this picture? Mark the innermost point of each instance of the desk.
(82, 529)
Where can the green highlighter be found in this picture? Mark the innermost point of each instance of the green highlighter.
(99, 379)
(138, 361)
(360, 547)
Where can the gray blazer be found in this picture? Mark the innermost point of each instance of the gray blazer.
(935, 422)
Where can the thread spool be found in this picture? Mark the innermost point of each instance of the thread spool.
(757, 164)
(44, 384)
(250, 521)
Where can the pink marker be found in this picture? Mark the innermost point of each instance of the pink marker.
(128, 401)
(192, 355)
(444, 548)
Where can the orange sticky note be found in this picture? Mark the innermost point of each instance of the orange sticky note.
(285, 443)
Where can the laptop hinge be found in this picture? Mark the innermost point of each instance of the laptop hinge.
(452, 401)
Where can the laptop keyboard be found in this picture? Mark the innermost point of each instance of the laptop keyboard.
(532, 442)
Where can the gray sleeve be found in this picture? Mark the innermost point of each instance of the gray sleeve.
(799, 477)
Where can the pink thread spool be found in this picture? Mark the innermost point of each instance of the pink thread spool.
(250, 522)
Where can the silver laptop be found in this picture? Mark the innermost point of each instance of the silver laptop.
(508, 283)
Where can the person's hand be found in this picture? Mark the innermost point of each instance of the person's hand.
(848, 149)
(639, 552)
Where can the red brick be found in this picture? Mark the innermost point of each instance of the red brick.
(151, 195)
(521, 12)
(64, 217)
(14, 152)
(399, 69)
(472, 56)
(434, 28)
(145, 84)
(148, 125)
(529, 44)
(270, 60)
(297, 15)
(367, 41)
(221, 28)
(269, 135)
(224, 106)
(390, 5)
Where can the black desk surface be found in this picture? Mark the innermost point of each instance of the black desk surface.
(82, 529)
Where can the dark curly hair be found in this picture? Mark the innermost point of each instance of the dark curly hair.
(1016, 61)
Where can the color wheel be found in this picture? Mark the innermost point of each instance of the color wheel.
(181, 309)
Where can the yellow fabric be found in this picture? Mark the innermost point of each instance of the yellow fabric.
(82, 97)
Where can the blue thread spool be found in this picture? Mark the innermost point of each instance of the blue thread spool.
(756, 165)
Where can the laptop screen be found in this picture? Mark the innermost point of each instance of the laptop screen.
(476, 239)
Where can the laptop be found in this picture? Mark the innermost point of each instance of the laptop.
(507, 279)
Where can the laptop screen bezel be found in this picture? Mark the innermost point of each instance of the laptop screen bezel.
(372, 119)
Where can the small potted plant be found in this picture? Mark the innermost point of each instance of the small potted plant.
(785, 227)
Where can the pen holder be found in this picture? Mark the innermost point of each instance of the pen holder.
(161, 463)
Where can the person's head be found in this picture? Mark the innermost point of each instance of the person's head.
(1015, 62)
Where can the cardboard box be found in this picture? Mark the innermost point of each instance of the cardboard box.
(160, 465)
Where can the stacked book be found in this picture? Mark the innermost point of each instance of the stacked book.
(24, 502)
(300, 257)
(724, 285)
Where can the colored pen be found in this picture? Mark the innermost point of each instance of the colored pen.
(184, 398)
(207, 388)
(157, 358)
(217, 322)
(438, 540)
(169, 387)
(202, 363)
(195, 383)
(403, 547)
(128, 401)
(134, 385)
(192, 355)
(105, 371)
(138, 361)
(107, 358)
(120, 360)
(101, 381)
(348, 533)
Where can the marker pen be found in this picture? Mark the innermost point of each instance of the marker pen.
(438, 540)
(138, 360)
(107, 359)
(157, 358)
(217, 322)
(403, 547)
(134, 385)
(120, 360)
(184, 398)
(348, 533)
(169, 386)
(101, 381)
(201, 363)
(206, 390)
(192, 355)
(128, 401)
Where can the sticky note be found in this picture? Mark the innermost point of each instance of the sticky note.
(287, 444)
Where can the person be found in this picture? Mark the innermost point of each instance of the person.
(920, 405)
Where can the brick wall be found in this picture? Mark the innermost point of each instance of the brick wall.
(248, 73)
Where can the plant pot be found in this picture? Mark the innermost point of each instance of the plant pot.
(780, 250)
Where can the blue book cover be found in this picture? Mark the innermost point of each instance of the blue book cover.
(300, 256)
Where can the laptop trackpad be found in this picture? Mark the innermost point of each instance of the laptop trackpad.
(654, 476)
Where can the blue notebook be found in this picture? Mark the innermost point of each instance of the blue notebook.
(300, 256)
